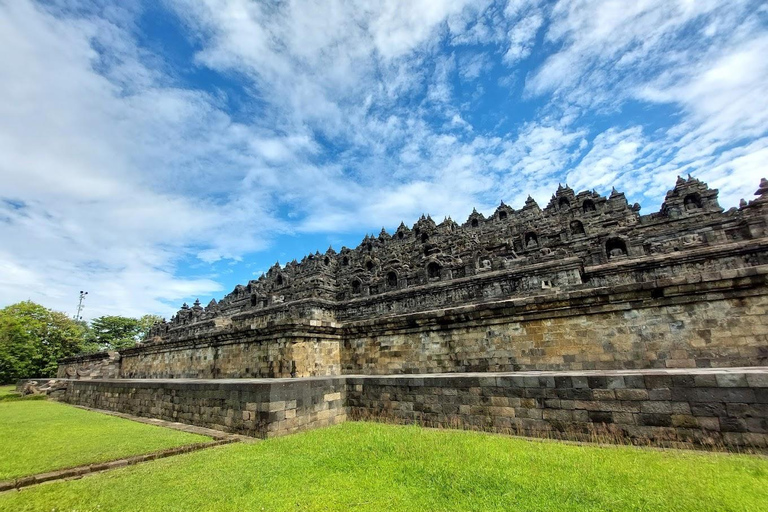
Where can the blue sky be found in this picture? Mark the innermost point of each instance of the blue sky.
(155, 152)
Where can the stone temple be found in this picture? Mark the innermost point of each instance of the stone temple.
(579, 316)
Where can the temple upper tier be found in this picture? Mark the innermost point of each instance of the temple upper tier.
(432, 265)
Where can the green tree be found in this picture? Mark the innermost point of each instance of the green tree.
(33, 338)
(114, 332)
(145, 324)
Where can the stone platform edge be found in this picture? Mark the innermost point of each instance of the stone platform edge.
(712, 407)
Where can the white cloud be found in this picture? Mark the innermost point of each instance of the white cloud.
(704, 61)
(610, 44)
(532, 162)
(522, 33)
(612, 160)
(473, 65)
(725, 97)
(117, 172)
(111, 200)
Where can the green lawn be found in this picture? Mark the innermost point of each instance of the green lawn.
(368, 466)
(7, 391)
(9, 394)
(38, 436)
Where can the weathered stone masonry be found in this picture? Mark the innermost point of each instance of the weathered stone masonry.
(586, 283)
(259, 408)
(706, 407)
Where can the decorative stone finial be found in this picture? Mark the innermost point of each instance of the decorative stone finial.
(763, 188)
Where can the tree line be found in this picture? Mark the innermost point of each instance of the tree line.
(33, 338)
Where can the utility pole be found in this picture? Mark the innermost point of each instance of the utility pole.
(80, 305)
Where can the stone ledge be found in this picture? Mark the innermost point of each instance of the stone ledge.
(706, 407)
(339, 378)
(560, 304)
(253, 407)
(544, 305)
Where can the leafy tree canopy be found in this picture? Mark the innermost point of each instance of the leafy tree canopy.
(145, 324)
(119, 332)
(33, 338)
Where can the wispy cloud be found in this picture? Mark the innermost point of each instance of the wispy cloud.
(338, 117)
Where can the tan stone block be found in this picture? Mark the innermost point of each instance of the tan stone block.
(685, 421)
(500, 401)
(329, 397)
(680, 363)
(603, 394)
(507, 412)
(278, 405)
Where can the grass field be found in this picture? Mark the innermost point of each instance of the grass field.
(368, 466)
(9, 394)
(38, 436)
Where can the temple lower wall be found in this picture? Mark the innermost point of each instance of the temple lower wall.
(727, 407)
(714, 323)
(281, 356)
(259, 408)
(101, 365)
(701, 407)
(716, 319)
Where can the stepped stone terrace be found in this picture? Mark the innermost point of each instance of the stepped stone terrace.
(434, 322)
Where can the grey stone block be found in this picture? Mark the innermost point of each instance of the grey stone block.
(654, 420)
(731, 380)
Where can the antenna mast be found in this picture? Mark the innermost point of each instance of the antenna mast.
(80, 305)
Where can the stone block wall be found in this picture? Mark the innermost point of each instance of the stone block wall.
(704, 407)
(259, 408)
(303, 347)
(710, 320)
(283, 355)
(720, 407)
(101, 365)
